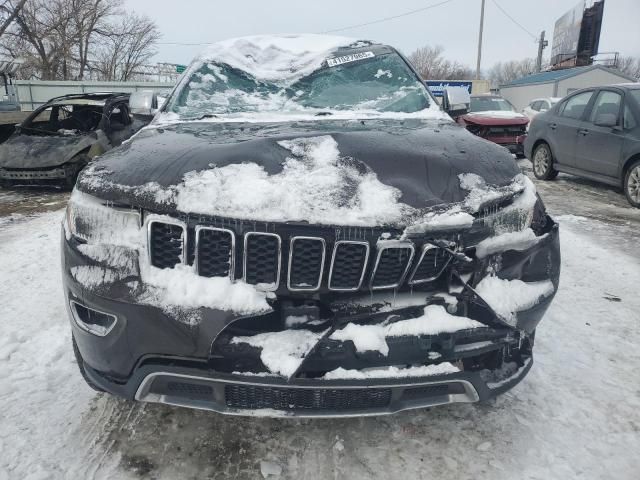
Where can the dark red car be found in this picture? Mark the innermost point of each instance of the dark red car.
(494, 118)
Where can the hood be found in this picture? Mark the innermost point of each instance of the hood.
(337, 172)
(34, 151)
(497, 117)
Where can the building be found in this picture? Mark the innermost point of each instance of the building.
(558, 83)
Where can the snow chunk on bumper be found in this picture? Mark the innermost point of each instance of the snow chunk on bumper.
(315, 185)
(435, 320)
(508, 297)
(392, 372)
(282, 352)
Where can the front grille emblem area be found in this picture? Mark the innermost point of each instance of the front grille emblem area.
(352, 265)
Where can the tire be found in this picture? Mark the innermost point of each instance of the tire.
(632, 184)
(80, 362)
(543, 163)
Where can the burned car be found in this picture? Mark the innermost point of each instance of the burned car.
(58, 139)
(302, 231)
(495, 119)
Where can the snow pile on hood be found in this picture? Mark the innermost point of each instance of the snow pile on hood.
(508, 297)
(392, 372)
(316, 184)
(435, 320)
(284, 58)
(506, 114)
(282, 352)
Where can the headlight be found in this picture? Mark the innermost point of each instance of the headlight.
(98, 221)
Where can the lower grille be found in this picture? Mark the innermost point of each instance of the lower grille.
(166, 243)
(255, 397)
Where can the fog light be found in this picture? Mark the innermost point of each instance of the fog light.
(92, 321)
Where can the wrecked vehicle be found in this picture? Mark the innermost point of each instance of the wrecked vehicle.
(57, 140)
(302, 231)
(494, 118)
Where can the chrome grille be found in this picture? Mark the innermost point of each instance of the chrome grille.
(432, 262)
(348, 265)
(262, 259)
(215, 252)
(166, 242)
(306, 263)
(392, 263)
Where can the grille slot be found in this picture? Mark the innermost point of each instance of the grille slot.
(392, 264)
(262, 258)
(348, 265)
(166, 243)
(215, 252)
(433, 260)
(306, 263)
(254, 397)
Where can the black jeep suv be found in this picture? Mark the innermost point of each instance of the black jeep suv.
(302, 231)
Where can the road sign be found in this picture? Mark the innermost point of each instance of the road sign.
(180, 68)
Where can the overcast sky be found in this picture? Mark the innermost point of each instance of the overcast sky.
(453, 25)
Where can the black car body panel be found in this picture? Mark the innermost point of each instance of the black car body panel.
(131, 343)
(427, 156)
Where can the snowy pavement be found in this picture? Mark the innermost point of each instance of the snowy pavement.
(576, 415)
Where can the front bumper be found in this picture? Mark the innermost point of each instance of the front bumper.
(150, 355)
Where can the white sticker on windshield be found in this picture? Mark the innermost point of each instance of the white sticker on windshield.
(354, 57)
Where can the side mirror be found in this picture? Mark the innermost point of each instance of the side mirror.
(606, 120)
(143, 103)
(456, 100)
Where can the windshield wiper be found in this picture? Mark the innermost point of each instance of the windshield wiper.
(323, 114)
(205, 116)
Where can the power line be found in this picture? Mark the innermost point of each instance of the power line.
(386, 19)
(535, 37)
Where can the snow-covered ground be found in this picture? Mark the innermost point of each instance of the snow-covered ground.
(577, 414)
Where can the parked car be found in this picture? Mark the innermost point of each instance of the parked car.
(592, 133)
(539, 105)
(302, 231)
(495, 119)
(58, 139)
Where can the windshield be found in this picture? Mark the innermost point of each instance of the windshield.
(382, 83)
(489, 104)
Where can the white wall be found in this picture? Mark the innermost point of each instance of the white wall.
(33, 93)
(520, 96)
(591, 78)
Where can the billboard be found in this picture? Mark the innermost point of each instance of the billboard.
(436, 87)
(566, 34)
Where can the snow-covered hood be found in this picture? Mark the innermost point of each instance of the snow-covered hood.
(326, 172)
(496, 117)
(33, 151)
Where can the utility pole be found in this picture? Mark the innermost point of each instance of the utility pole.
(542, 43)
(480, 41)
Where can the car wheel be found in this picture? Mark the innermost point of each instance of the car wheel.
(543, 163)
(632, 184)
(80, 363)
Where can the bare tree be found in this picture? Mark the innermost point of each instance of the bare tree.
(431, 65)
(8, 13)
(630, 66)
(127, 46)
(505, 72)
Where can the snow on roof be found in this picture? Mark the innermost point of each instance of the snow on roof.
(555, 75)
(277, 57)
